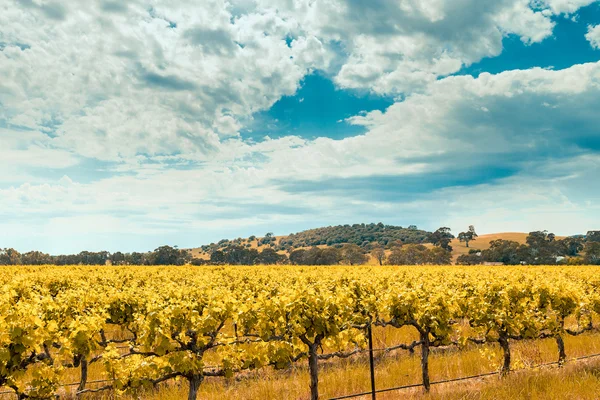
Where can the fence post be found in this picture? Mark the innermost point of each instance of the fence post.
(371, 362)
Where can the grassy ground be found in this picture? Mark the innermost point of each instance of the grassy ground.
(577, 380)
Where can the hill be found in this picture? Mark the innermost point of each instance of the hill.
(363, 235)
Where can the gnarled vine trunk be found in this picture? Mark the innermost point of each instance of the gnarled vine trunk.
(425, 359)
(313, 368)
(562, 355)
(195, 382)
(84, 374)
(503, 340)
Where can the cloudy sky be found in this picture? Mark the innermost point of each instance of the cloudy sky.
(131, 124)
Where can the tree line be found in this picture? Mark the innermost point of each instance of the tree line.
(541, 248)
(164, 255)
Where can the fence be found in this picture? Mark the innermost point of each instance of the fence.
(373, 392)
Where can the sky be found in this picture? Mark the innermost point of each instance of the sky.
(126, 125)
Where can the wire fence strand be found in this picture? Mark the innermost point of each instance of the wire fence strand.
(463, 378)
(354, 395)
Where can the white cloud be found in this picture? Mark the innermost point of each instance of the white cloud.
(566, 6)
(116, 81)
(126, 81)
(160, 93)
(394, 47)
(593, 36)
(433, 158)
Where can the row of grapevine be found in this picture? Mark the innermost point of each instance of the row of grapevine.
(155, 324)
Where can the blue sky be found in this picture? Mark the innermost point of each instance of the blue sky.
(126, 128)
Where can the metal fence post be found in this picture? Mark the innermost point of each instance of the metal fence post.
(371, 362)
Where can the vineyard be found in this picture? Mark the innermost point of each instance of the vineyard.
(134, 330)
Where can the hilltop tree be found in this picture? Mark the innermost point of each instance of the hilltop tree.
(442, 238)
(268, 240)
(363, 235)
(468, 236)
(378, 253)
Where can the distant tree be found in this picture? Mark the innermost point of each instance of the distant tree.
(135, 258)
(592, 236)
(329, 256)
(268, 240)
(505, 251)
(240, 255)
(468, 236)
(542, 248)
(438, 256)
(353, 255)
(36, 258)
(252, 238)
(270, 257)
(410, 254)
(312, 256)
(167, 255)
(10, 257)
(199, 261)
(592, 253)
(217, 257)
(570, 246)
(395, 243)
(442, 238)
(469, 259)
(117, 258)
(297, 257)
(378, 253)
(316, 256)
